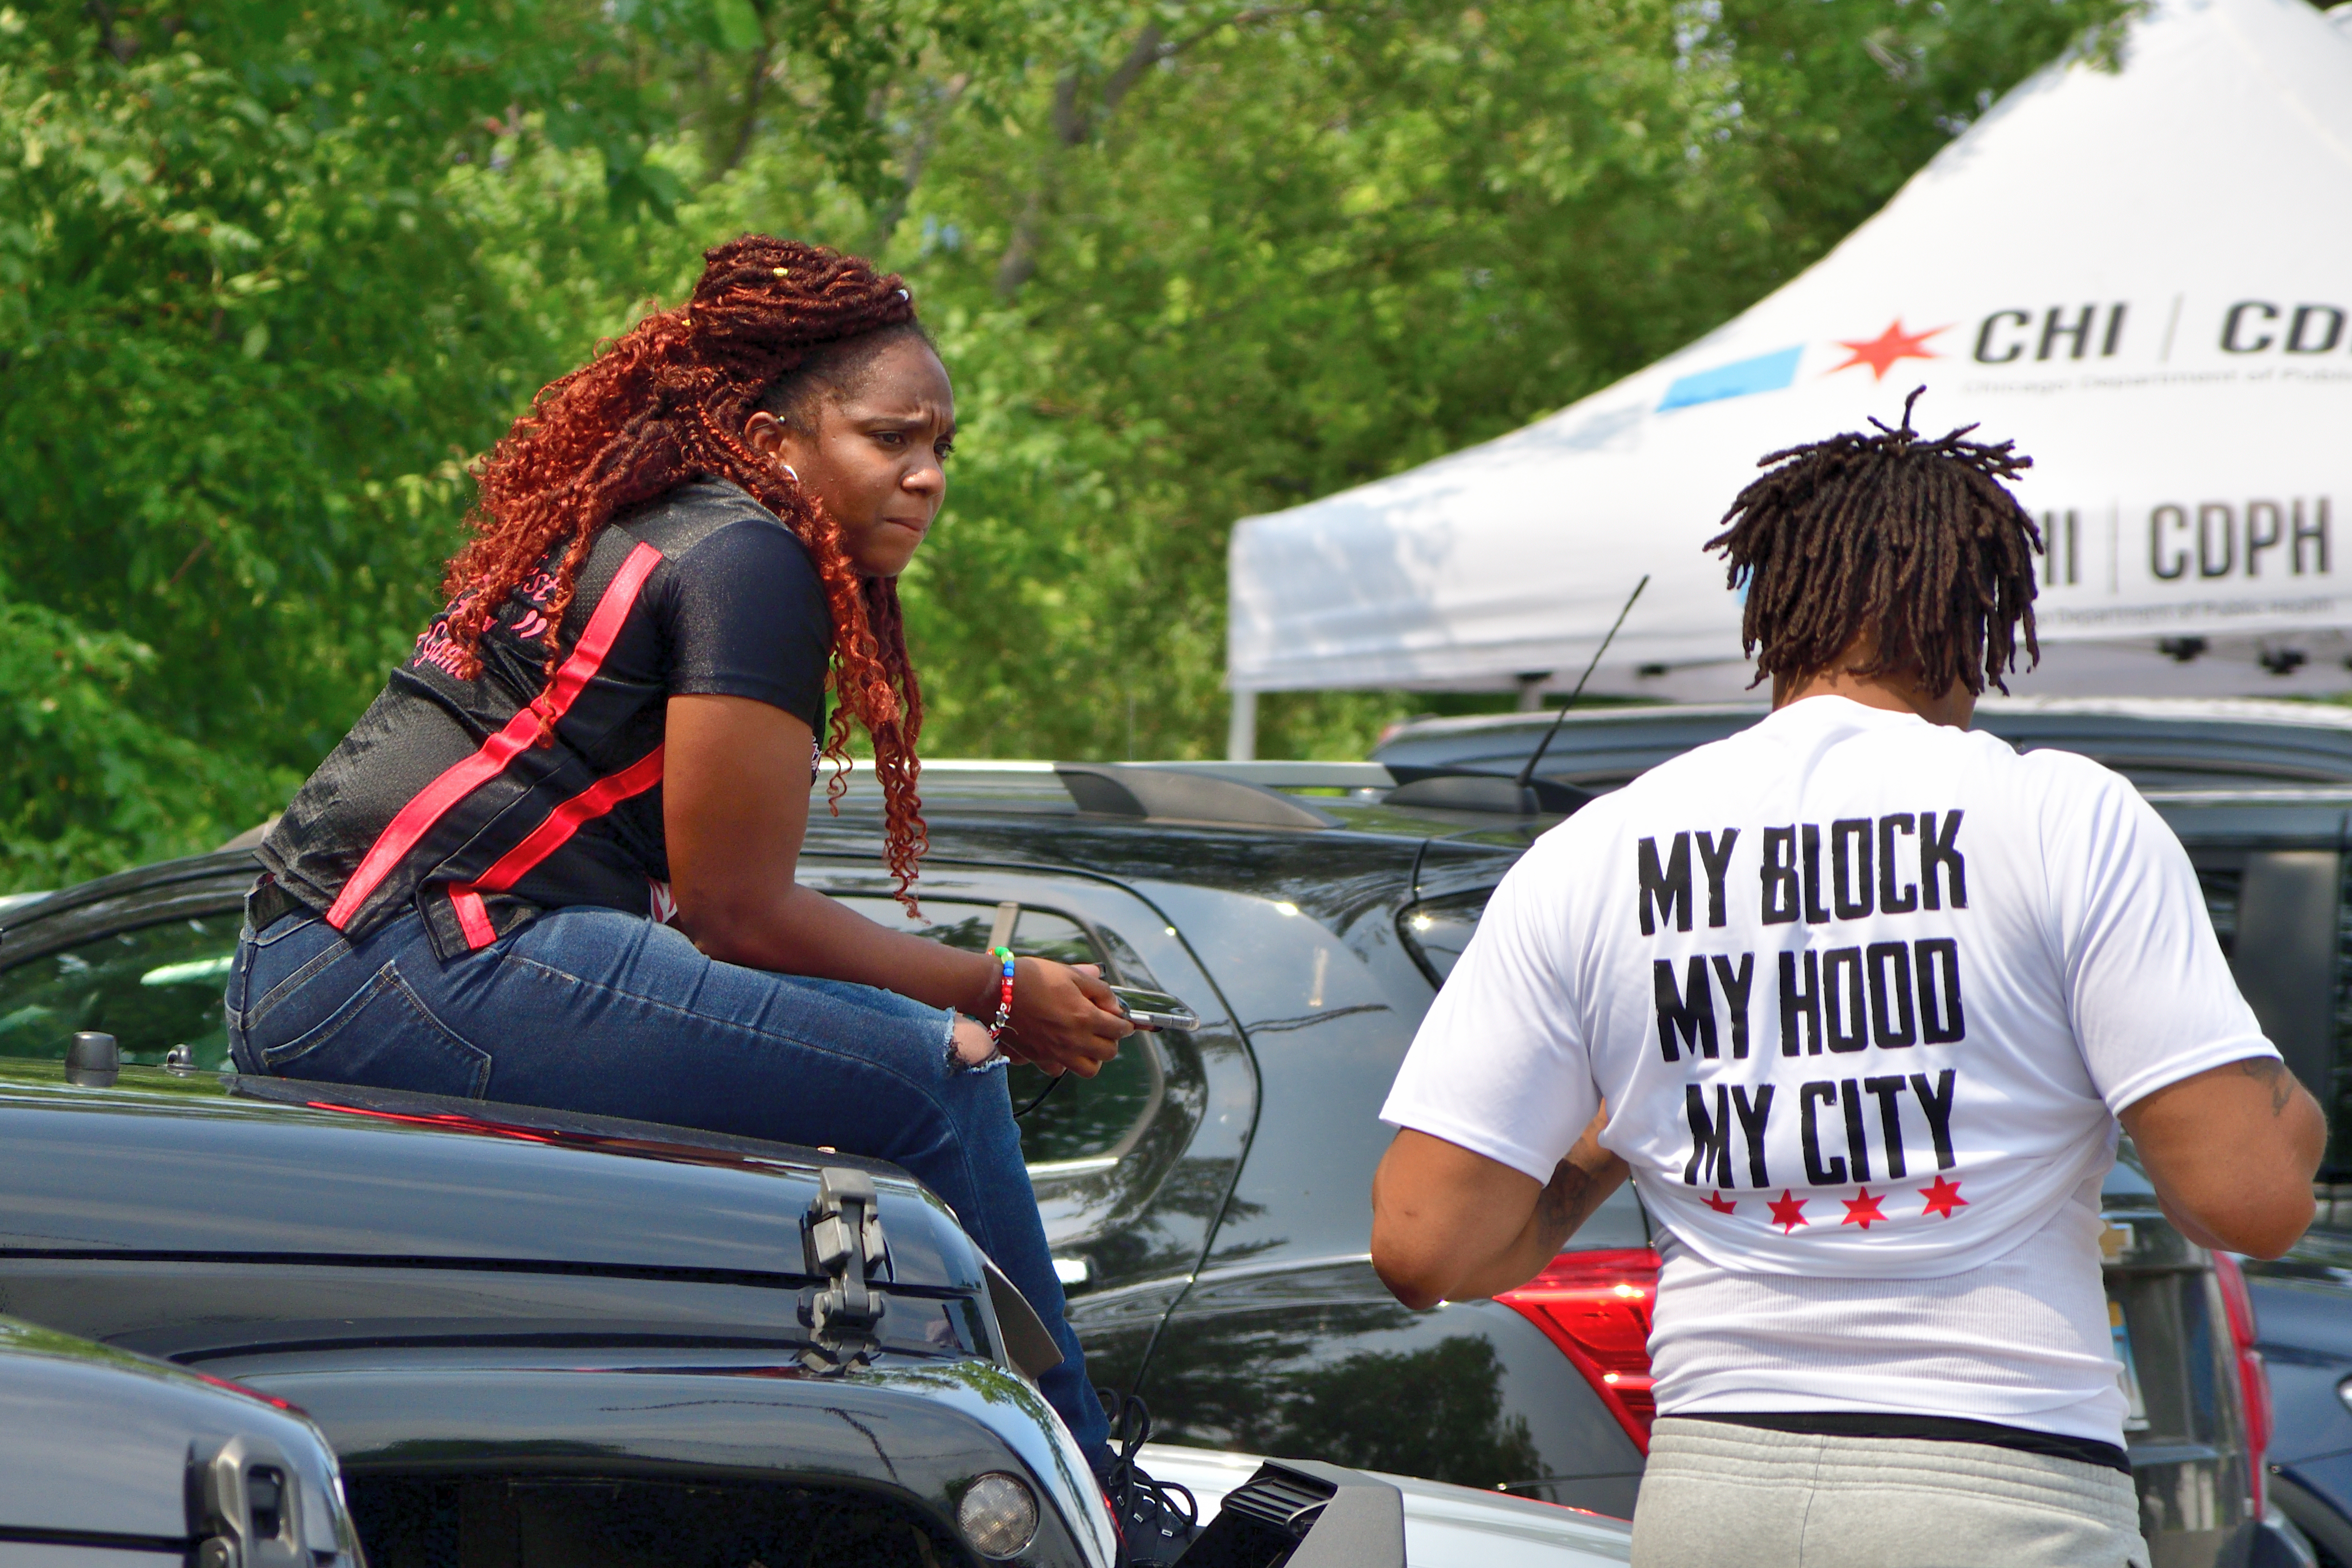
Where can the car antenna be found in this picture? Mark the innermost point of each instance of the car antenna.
(1526, 774)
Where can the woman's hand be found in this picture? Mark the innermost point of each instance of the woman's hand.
(1064, 1018)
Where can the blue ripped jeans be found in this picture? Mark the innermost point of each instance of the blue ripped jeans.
(593, 1010)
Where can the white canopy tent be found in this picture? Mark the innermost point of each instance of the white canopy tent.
(2143, 277)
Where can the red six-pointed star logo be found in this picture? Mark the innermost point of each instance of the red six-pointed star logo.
(1789, 1210)
(1720, 1204)
(1943, 1198)
(1863, 1211)
(1881, 351)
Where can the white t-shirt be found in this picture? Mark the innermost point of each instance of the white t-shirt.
(1863, 994)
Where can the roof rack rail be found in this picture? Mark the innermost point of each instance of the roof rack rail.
(1163, 793)
(1293, 775)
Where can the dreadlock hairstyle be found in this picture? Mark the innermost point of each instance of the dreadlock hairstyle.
(1917, 543)
(665, 403)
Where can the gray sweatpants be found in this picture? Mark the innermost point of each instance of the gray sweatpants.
(1740, 1497)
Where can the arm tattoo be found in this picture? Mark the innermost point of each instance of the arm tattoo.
(1565, 1201)
(2269, 1071)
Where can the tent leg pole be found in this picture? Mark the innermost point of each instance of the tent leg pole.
(1241, 729)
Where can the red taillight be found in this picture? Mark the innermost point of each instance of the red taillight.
(1595, 1306)
(2254, 1376)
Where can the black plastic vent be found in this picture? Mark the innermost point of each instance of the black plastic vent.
(1283, 1498)
(1295, 1514)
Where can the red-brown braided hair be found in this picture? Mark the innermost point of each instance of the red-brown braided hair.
(665, 403)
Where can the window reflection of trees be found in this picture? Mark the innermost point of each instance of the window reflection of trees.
(1437, 1412)
(151, 989)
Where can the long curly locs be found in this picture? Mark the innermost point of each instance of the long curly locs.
(667, 402)
(1918, 543)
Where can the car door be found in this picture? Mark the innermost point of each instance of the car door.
(1133, 1166)
(1288, 1342)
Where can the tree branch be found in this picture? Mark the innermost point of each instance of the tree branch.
(1074, 125)
(1020, 262)
(919, 153)
(122, 46)
(1149, 50)
(752, 83)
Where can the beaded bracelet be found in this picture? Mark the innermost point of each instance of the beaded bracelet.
(1003, 998)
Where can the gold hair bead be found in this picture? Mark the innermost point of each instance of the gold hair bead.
(783, 272)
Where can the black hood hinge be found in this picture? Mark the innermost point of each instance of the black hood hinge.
(841, 1238)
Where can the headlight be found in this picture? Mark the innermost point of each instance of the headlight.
(998, 1514)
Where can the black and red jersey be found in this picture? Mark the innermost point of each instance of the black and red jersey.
(442, 797)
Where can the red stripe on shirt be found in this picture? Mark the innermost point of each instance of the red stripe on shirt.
(568, 819)
(435, 801)
(472, 918)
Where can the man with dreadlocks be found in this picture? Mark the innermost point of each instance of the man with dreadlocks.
(1859, 998)
(553, 863)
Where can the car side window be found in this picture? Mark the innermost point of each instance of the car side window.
(1435, 931)
(1083, 1122)
(151, 988)
(2222, 886)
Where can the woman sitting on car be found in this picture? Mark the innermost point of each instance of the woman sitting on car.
(552, 864)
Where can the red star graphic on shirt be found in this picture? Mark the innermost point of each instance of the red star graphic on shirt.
(1863, 1210)
(1943, 1198)
(1788, 1212)
(1881, 351)
(1720, 1204)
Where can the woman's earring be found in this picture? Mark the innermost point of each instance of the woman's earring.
(790, 469)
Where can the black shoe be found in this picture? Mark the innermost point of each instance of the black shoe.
(1152, 1529)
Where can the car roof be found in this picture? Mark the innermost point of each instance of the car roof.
(2222, 709)
(1001, 814)
(2158, 743)
(1023, 814)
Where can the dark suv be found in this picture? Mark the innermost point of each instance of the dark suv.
(1206, 1197)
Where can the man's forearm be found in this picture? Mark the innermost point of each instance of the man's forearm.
(1579, 1184)
(1452, 1225)
(2232, 1152)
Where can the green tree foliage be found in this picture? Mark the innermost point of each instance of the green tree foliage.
(270, 276)
(1310, 247)
(250, 325)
